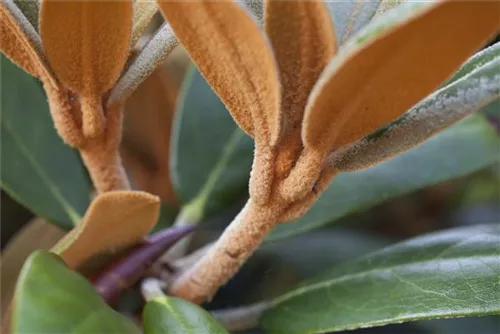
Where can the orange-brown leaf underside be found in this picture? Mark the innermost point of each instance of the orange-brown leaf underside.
(17, 42)
(86, 42)
(114, 220)
(377, 82)
(303, 41)
(144, 10)
(235, 58)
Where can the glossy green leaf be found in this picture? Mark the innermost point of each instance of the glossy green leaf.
(459, 150)
(37, 168)
(211, 157)
(334, 245)
(174, 315)
(451, 273)
(51, 298)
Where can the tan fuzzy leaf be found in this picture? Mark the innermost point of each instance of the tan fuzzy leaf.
(87, 44)
(234, 56)
(30, 9)
(20, 42)
(441, 109)
(378, 78)
(114, 220)
(144, 10)
(303, 41)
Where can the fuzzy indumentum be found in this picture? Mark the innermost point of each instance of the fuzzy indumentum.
(307, 96)
(302, 100)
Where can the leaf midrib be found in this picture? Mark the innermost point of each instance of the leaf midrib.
(67, 207)
(343, 278)
(182, 321)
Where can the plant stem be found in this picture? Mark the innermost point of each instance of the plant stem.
(152, 288)
(105, 168)
(234, 247)
(101, 155)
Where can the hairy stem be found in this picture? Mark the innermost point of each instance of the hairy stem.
(152, 288)
(105, 168)
(228, 254)
(101, 155)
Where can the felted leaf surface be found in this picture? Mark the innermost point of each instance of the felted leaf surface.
(174, 315)
(451, 273)
(256, 7)
(114, 220)
(234, 56)
(152, 55)
(303, 41)
(86, 42)
(387, 68)
(475, 85)
(51, 298)
(211, 156)
(388, 5)
(37, 168)
(144, 10)
(463, 148)
(349, 16)
(20, 42)
(483, 57)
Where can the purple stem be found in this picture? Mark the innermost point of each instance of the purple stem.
(126, 271)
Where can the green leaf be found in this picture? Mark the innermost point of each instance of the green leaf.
(459, 150)
(51, 298)
(351, 15)
(451, 273)
(211, 157)
(37, 168)
(168, 213)
(321, 249)
(174, 315)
